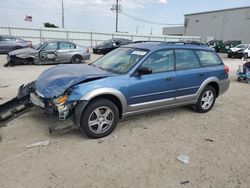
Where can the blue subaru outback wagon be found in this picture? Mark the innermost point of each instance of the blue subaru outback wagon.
(133, 79)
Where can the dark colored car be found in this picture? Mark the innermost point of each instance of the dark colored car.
(110, 45)
(9, 43)
(49, 52)
(216, 44)
(239, 51)
(130, 80)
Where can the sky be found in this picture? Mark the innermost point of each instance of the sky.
(95, 15)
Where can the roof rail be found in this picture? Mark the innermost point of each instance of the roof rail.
(184, 43)
(142, 41)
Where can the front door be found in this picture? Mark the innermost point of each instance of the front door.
(155, 89)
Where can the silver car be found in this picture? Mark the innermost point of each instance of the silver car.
(9, 43)
(49, 52)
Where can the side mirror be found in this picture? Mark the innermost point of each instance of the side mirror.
(144, 71)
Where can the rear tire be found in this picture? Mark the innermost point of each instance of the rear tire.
(206, 100)
(99, 118)
(229, 56)
(76, 59)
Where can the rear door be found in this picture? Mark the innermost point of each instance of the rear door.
(189, 74)
(155, 89)
(65, 51)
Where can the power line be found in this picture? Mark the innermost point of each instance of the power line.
(148, 21)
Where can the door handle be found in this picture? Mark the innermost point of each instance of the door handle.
(202, 74)
(169, 78)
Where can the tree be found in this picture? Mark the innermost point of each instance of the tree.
(47, 24)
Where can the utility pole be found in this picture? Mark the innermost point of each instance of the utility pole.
(116, 8)
(116, 21)
(62, 15)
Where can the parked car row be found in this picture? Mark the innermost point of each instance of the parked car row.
(223, 47)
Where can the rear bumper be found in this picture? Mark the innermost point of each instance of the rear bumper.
(224, 85)
(86, 56)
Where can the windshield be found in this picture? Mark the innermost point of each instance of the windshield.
(121, 60)
(243, 46)
(39, 46)
(108, 42)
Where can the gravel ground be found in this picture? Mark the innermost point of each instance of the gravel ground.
(141, 152)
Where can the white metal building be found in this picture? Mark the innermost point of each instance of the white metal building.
(227, 24)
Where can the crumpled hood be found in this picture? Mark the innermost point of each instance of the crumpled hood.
(54, 81)
(23, 51)
(236, 49)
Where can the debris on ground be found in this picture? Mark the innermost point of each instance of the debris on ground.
(38, 144)
(100, 141)
(1, 98)
(4, 86)
(209, 140)
(183, 158)
(184, 182)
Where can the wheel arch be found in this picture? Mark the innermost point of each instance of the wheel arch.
(112, 94)
(212, 81)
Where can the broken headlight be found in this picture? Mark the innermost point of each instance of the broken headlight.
(60, 100)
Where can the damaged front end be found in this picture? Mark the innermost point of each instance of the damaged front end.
(13, 60)
(55, 91)
(28, 97)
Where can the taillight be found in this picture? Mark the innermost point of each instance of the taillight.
(226, 69)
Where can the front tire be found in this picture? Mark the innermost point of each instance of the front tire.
(206, 100)
(99, 118)
(245, 56)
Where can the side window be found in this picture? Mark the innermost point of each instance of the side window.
(185, 59)
(66, 45)
(160, 61)
(51, 46)
(208, 58)
(8, 39)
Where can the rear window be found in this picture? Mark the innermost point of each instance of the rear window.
(66, 46)
(208, 58)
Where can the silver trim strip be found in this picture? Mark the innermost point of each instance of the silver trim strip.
(151, 102)
(130, 113)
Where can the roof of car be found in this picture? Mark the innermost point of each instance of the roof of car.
(48, 41)
(165, 45)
